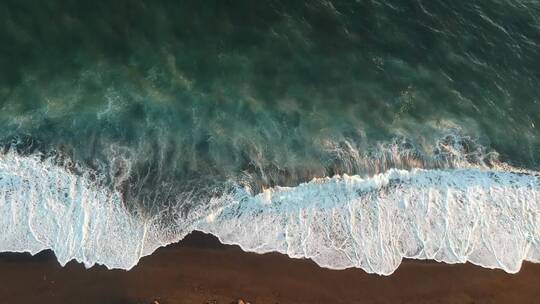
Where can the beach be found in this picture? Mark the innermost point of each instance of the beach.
(199, 269)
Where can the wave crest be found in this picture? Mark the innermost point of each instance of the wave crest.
(490, 217)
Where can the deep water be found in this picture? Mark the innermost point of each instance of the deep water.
(173, 111)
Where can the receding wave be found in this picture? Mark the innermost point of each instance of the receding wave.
(490, 217)
(487, 217)
(43, 206)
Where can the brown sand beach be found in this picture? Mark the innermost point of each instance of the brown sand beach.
(201, 270)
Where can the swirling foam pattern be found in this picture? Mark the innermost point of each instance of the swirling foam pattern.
(43, 206)
(490, 218)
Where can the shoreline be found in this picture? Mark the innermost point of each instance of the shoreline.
(199, 269)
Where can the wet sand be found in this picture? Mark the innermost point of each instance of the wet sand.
(201, 270)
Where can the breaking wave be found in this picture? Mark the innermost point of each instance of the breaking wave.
(490, 217)
(487, 217)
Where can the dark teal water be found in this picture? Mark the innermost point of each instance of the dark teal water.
(171, 97)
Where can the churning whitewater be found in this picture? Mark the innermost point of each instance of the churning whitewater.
(490, 217)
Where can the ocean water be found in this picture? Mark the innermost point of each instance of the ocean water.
(354, 133)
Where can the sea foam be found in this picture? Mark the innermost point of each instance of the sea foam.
(43, 206)
(488, 217)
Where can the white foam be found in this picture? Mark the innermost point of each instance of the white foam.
(43, 206)
(488, 217)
